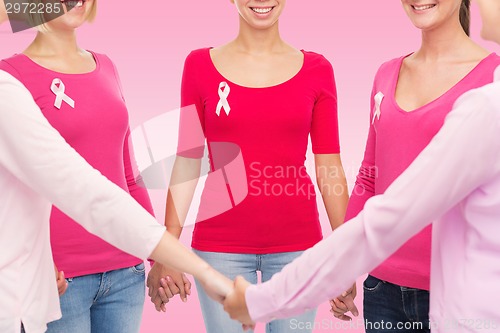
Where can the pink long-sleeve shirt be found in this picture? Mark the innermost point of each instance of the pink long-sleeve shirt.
(395, 139)
(455, 181)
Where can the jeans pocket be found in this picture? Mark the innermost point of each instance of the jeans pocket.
(139, 269)
(372, 283)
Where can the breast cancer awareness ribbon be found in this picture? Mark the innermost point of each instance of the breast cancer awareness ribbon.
(224, 91)
(58, 88)
(378, 102)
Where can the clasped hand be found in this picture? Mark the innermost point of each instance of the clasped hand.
(164, 283)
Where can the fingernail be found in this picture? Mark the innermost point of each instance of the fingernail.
(168, 279)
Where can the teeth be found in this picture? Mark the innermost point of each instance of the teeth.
(262, 10)
(423, 7)
(74, 3)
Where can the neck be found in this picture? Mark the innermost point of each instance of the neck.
(256, 41)
(443, 42)
(55, 43)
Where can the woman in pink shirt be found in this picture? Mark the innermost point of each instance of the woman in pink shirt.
(79, 93)
(411, 96)
(455, 181)
(256, 102)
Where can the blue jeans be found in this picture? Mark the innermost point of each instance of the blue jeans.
(247, 265)
(110, 302)
(392, 308)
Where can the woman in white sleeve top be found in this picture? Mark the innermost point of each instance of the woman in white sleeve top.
(37, 168)
(456, 179)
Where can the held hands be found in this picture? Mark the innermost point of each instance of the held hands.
(345, 303)
(62, 285)
(164, 283)
(216, 285)
(235, 303)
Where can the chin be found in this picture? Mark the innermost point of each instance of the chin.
(491, 35)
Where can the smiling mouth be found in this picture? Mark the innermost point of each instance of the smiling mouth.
(262, 10)
(423, 7)
(73, 3)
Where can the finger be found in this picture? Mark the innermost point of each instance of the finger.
(182, 291)
(163, 295)
(335, 310)
(340, 305)
(169, 287)
(343, 317)
(348, 304)
(187, 284)
(159, 303)
(62, 284)
(248, 327)
(153, 291)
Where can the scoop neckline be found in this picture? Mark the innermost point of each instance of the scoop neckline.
(292, 78)
(91, 73)
(443, 95)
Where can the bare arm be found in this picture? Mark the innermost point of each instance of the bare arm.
(332, 184)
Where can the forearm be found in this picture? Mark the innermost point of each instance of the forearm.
(335, 200)
(332, 185)
(185, 175)
(170, 252)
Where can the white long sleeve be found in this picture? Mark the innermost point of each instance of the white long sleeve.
(37, 168)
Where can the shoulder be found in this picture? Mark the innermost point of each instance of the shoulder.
(198, 56)
(14, 65)
(490, 93)
(12, 91)
(494, 59)
(482, 101)
(7, 80)
(390, 66)
(103, 59)
(316, 60)
(100, 56)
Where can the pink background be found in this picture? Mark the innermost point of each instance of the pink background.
(149, 42)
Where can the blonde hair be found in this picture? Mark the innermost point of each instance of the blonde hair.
(39, 20)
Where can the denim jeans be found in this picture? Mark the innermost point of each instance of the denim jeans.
(110, 302)
(247, 265)
(392, 308)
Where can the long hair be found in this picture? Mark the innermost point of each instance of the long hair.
(465, 16)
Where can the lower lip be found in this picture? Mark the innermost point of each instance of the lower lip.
(262, 15)
(425, 11)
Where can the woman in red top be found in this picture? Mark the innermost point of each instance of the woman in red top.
(258, 99)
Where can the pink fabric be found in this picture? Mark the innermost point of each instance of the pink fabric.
(98, 129)
(395, 139)
(455, 180)
(271, 126)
